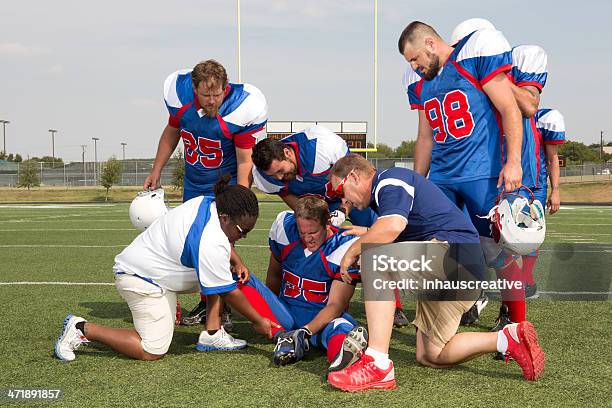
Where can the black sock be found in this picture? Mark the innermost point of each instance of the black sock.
(212, 332)
(81, 327)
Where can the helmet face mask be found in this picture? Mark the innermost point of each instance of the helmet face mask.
(146, 208)
(518, 226)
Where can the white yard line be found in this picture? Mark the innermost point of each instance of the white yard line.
(58, 283)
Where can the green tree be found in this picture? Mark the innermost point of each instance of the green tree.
(383, 151)
(2, 155)
(405, 149)
(28, 174)
(10, 157)
(18, 158)
(111, 174)
(576, 152)
(179, 169)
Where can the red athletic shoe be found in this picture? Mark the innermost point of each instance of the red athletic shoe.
(363, 375)
(524, 348)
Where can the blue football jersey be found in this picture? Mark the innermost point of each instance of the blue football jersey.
(210, 143)
(307, 276)
(317, 149)
(467, 131)
(529, 69)
(551, 125)
(429, 213)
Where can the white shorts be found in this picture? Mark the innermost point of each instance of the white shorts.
(153, 311)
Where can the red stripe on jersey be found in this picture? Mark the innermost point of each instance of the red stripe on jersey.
(554, 142)
(467, 75)
(326, 265)
(503, 68)
(418, 88)
(501, 135)
(416, 106)
(224, 128)
(537, 138)
(246, 140)
(288, 249)
(175, 121)
(296, 149)
(531, 83)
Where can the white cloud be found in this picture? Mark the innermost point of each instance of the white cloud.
(20, 50)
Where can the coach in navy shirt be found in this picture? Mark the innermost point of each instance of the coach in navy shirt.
(411, 208)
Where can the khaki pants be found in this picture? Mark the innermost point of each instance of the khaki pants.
(153, 311)
(439, 320)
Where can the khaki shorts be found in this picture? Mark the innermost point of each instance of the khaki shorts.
(153, 311)
(439, 320)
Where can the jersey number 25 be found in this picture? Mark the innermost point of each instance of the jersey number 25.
(453, 117)
(312, 290)
(207, 151)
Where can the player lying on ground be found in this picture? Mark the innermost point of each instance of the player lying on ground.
(185, 250)
(411, 208)
(298, 165)
(304, 293)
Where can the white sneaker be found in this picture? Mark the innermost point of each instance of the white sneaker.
(70, 339)
(221, 340)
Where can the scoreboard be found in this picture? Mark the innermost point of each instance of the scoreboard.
(353, 133)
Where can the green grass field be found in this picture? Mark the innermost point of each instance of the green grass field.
(78, 244)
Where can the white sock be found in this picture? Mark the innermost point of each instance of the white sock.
(502, 342)
(381, 360)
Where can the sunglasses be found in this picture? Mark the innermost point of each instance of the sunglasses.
(339, 190)
(243, 232)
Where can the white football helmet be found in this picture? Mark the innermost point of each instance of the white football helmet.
(517, 229)
(146, 208)
(469, 26)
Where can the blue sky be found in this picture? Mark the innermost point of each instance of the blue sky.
(96, 69)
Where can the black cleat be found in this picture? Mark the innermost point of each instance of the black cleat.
(471, 316)
(400, 319)
(196, 316)
(531, 291)
(502, 321)
(354, 344)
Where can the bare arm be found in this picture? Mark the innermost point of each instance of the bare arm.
(383, 231)
(245, 166)
(273, 278)
(290, 200)
(167, 143)
(340, 294)
(424, 145)
(527, 99)
(554, 174)
(500, 93)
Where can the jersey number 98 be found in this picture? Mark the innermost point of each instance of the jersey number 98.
(453, 117)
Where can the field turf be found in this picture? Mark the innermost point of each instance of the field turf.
(78, 243)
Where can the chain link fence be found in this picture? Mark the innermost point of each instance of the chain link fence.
(76, 174)
(134, 172)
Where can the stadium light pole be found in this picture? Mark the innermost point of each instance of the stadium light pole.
(375, 74)
(238, 23)
(600, 145)
(53, 132)
(95, 139)
(4, 123)
(83, 161)
(123, 144)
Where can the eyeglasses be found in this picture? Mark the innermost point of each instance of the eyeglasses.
(243, 232)
(339, 190)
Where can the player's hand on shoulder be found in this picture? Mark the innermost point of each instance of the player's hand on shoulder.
(354, 230)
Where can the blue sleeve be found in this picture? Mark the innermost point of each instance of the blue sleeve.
(394, 199)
